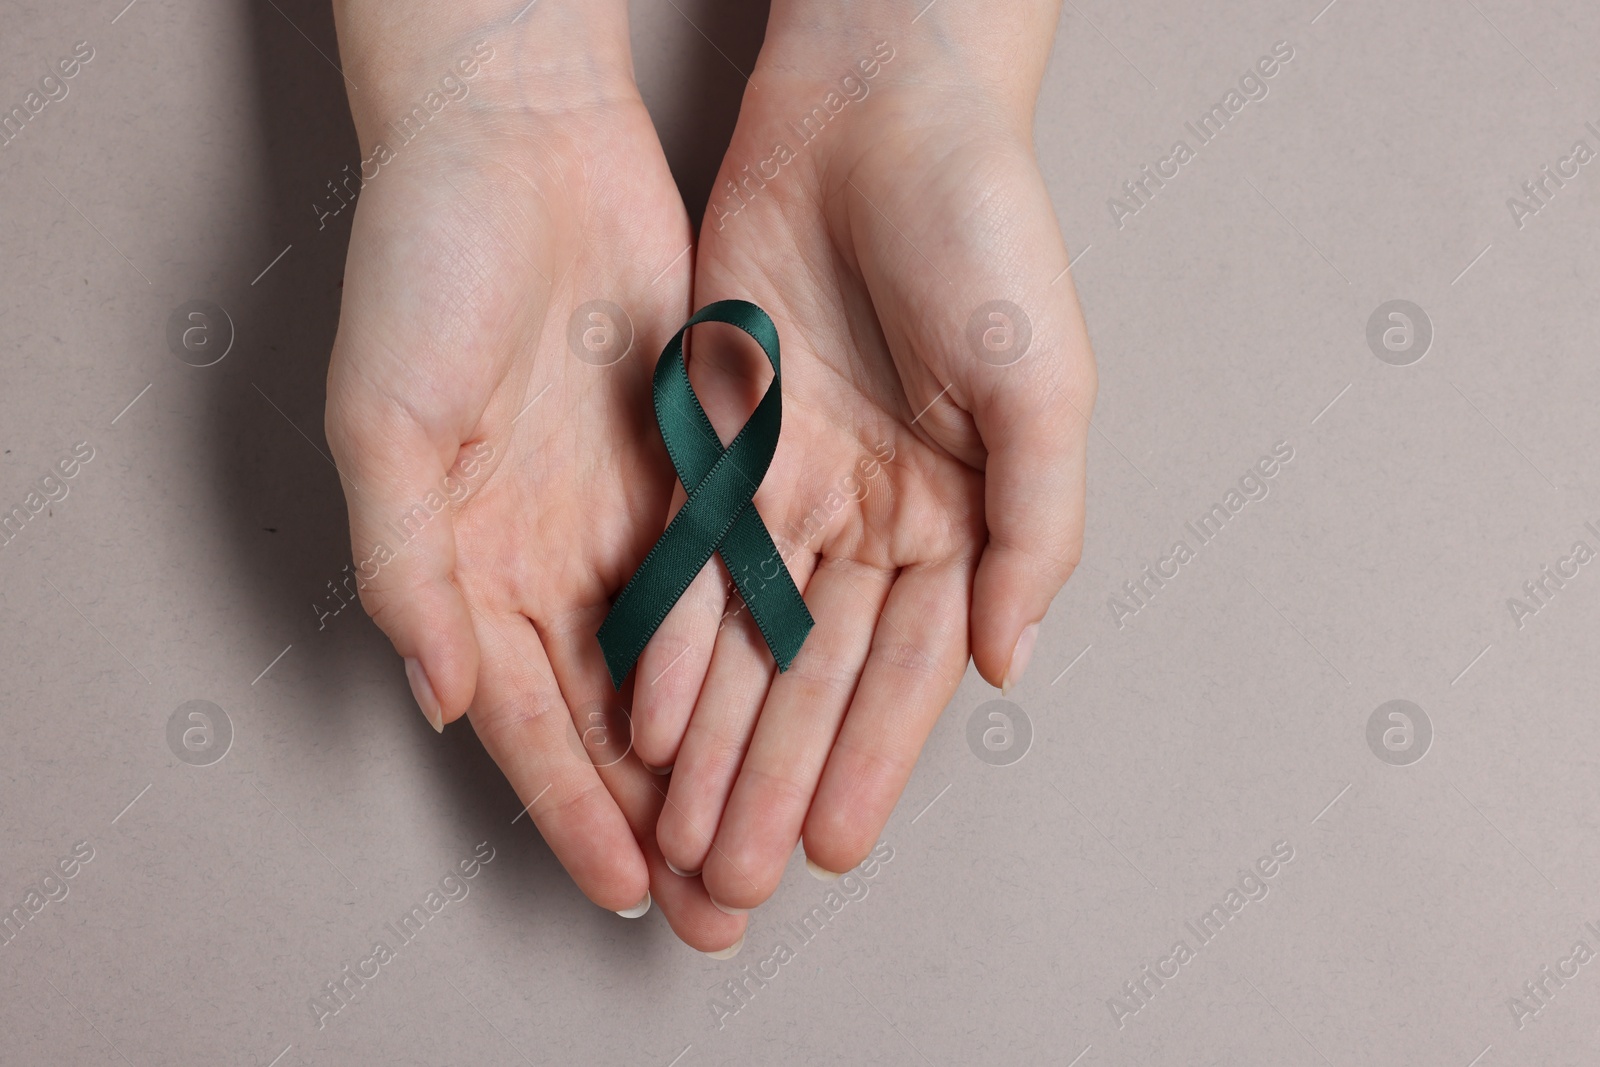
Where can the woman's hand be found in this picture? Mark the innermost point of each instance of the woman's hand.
(928, 488)
(503, 475)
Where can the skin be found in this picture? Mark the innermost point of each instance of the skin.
(470, 252)
(961, 482)
(872, 249)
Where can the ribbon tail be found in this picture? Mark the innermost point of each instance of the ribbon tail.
(775, 603)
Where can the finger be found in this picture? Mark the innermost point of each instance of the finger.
(708, 761)
(605, 740)
(673, 666)
(757, 833)
(919, 652)
(688, 909)
(1034, 485)
(1030, 402)
(524, 723)
(682, 899)
(400, 482)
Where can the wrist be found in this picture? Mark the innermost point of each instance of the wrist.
(995, 58)
(552, 55)
(887, 87)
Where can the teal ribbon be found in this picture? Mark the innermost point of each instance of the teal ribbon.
(720, 513)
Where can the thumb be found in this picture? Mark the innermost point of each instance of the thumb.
(401, 487)
(1033, 417)
(1011, 350)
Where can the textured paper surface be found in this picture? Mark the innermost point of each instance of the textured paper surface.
(1166, 748)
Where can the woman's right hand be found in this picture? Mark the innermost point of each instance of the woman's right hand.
(514, 479)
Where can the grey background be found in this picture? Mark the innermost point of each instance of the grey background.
(1229, 714)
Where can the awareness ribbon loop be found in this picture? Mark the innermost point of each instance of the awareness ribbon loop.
(720, 513)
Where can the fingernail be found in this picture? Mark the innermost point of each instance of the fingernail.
(422, 690)
(659, 770)
(821, 874)
(1019, 657)
(729, 952)
(638, 909)
(680, 874)
(727, 910)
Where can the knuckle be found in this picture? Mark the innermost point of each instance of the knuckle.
(779, 793)
(680, 842)
(514, 721)
(1071, 557)
(569, 801)
(719, 760)
(381, 607)
(823, 675)
(837, 840)
(905, 656)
